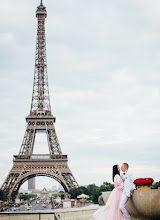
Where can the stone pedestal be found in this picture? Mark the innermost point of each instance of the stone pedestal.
(105, 196)
(144, 204)
(58, 199)
(67, 201)
(66, 204)
(17, 200)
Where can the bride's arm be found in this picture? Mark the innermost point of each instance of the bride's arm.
(118, 182)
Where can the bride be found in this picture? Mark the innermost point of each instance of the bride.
(111, 210)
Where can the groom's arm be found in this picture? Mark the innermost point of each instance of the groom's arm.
(132, 178)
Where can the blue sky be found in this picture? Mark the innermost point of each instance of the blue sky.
(104, 80)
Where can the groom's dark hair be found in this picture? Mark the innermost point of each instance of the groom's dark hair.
(126, 165)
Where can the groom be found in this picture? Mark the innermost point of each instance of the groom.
(128, 189)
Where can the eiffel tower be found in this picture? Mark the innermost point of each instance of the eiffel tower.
(27, 165)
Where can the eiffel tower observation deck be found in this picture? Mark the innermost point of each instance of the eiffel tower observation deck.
(27, 165)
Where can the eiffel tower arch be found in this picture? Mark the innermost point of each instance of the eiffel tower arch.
(27, 165)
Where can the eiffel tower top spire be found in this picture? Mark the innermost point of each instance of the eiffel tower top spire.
(40, 105)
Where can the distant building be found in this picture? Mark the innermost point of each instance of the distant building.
(24, 191)
(45, 194)
(32, 183)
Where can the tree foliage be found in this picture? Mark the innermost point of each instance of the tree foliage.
(92, 190)
(156, 185)
(27, 196)
(2, 196)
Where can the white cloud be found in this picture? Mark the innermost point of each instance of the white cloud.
(6, 38)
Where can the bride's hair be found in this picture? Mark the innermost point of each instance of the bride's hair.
(115, 171)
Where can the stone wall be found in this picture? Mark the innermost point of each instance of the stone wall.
(84, 213)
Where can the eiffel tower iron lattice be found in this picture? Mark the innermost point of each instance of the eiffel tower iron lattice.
(27, 165)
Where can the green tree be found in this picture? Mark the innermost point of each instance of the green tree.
(109, 186)
(26, 196)
(92, 190)
(156, 185)
(96, 192)
(84, 189)
(75, 192)
(2, 196)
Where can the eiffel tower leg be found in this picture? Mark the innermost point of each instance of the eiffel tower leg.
(28, 140)
(9, 183)
(69, 179)
(53, 143)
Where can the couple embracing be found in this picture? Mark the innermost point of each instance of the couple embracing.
(124, 187)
